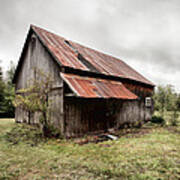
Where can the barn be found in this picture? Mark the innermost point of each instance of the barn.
(92, 91)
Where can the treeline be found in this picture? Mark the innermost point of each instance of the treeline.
(7, 92)
(167, 100)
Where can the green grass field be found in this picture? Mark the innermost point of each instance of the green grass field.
(152, 152)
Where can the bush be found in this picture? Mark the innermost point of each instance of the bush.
(174, 119)
(26, 134)
(157, 120)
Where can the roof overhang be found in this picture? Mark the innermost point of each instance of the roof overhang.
(86, 87)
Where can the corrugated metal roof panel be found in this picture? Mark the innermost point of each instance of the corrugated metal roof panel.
(62, 52)
(97, 88)
(66, 52)
(109, 65)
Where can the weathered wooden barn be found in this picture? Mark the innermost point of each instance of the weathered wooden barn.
(92, 91)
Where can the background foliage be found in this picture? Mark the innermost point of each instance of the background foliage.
(7, 92)
(167, 101)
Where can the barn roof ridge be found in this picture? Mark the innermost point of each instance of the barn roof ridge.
(69, 40)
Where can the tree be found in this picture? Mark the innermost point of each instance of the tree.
(166, 99)
(160, 99)
(9, 92)
(2, 88)
(10, 73)
(9, 96)
(178, 102)
(35, 98)
(174, 109)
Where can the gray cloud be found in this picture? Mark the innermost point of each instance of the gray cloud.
(145, 34)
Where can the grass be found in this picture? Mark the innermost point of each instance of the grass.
(151, 153)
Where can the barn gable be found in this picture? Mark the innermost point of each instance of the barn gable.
(35, 56)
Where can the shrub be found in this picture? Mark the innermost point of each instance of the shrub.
(24, 133)
(158, 120)
(174, 118)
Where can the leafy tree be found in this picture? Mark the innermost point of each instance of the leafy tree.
(166, 99)
(2, 88)
(9, 92)
(178, 102)
(160, 99)
(35, 98)
(174, 109)
(10, 73)
(9, 96)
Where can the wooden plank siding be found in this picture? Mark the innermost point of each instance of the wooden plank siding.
(37, 57)
(89, 115)
(85, 115)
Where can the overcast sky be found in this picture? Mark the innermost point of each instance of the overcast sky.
(143, 33)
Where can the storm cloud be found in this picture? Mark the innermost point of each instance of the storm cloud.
(143, 33)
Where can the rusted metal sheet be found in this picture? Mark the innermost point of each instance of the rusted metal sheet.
(97, 88)
(139, 90)
(68, 53)
(60, 49)
(109, 65)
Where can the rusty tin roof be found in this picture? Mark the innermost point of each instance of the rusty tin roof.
(73, 55)
(87, 87)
